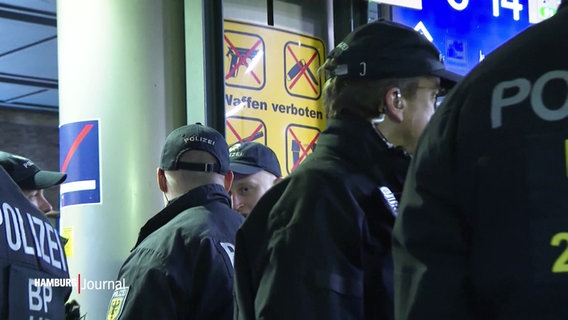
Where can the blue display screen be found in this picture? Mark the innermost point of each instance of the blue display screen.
(465, 31)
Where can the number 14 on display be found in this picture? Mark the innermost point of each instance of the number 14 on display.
(497, 5)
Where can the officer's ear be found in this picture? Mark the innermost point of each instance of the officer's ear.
(229, 180)
(394, 105)
(162, 180)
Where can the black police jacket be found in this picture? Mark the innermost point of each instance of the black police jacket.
(35, 279)
(317, 245)
(182, 264)
(483, 226)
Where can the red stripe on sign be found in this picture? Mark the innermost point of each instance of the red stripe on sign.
(75, 146)
(233, 131)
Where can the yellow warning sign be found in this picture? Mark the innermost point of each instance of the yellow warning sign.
(67, 233)
(273, 89)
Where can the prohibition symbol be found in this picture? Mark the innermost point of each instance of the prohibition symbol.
(245, 61)
(243, 129)
(300, 141)
(301, 63)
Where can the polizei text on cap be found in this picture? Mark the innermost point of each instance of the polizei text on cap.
(199, 139)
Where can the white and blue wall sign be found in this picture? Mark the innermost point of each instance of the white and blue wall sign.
(80, 159)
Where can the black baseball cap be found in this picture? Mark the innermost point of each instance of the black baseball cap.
(195, 137)
(28, 175)
(251, 157)
(384, 49)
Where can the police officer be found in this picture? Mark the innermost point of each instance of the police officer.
(182, 264)
(317, 244)
(31, 179)
(483, 227)
(256, 170)
(35, 279)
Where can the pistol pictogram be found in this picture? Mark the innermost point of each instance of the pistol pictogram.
(239, 58)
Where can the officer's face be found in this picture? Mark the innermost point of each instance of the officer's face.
(37, 198)
(419, 109)
(247, 190)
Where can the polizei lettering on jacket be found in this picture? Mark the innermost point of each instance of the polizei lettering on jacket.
(513, 92)
(43, 242)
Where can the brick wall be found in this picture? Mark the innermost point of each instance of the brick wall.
(35, 135)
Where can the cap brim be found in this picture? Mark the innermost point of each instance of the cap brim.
(448, 79)
(45, 179)
(244, 168)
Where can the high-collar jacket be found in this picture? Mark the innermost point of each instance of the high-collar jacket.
(196, 197)
(317, 245)
(182, 264)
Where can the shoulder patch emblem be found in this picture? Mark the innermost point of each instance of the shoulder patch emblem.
(117, 303)
(230, 250)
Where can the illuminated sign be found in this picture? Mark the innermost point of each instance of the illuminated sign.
(466, 31)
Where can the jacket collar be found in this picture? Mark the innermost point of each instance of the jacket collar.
(193, 198)
(356, 140)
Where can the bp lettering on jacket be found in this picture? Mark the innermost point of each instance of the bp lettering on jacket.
(30, 299)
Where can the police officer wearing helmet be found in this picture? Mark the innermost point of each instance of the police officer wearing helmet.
(317, 244)
(483, 222)
(182, 264)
